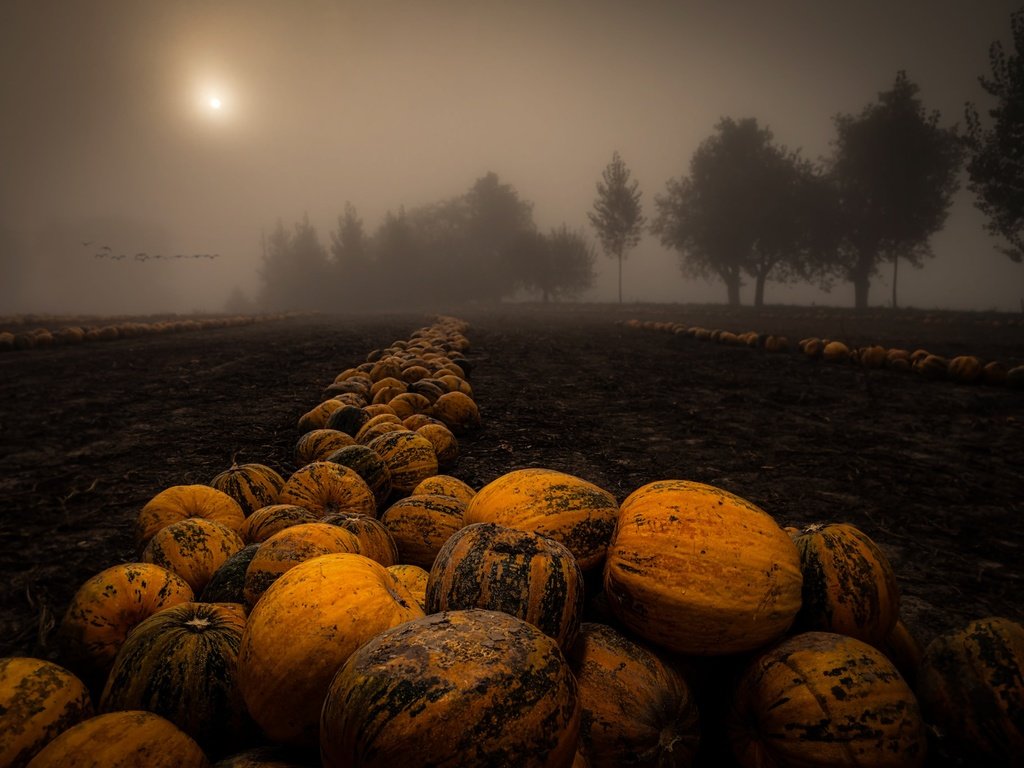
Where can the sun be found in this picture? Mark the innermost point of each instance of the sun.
(215, 102)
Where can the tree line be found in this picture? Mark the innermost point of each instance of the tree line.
(748, 208)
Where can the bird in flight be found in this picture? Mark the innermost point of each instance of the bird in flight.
(86, 243)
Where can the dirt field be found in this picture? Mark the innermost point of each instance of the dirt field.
(932, 470)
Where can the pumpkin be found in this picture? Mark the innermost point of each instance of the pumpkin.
(872, 357)
(698, 570)
(108, 606)
(180, 502)
(457, 410)
(267, 757)
(410, 458)
(228, 582)
(406, 404)
(460, 688)
(446, 445)
(904, 651)
(318, 444)
(251, 485)
(993, 372)
(849, 586)
(835, 352)
(774, 343)
(286, 549)
(369, 465)
(377, 426)
(128, 739)
(569, 509)
(521, 573)
(445, 485)
(375, 540)
(330, 605)
(194, 549)
(420, 525)
(1015, 377)
(637, 711)
(376, 409)
(326, 487)
(971, 687)
(316, 417)
(38, 701)
(429, 388)
(265, 522)
(824, 699)
(348, 419)
(931, 366)
(181, 664)
(965, 368)
(413, 578)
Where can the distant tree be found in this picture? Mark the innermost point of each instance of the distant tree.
(559, 264)
(746, 208)
(995, 163)
(617, 215)
(295, 269)
(496, 218)
(349, 241)
(895, 172)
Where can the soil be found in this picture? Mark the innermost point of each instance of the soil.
(932, 470)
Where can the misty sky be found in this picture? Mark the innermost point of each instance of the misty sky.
(108, 134)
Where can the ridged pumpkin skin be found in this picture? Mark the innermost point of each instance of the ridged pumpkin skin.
(457, 410)
(181, 664)
(637, 711)
(822, 699)
(460, 689)
(266, 521)
(194, 549)
(227, 584)
(420, 525)
(409, 456)
(445, 485)
(251, 485)
(523, 574)
(320, 443)
(971, 686)
(122, 740)
(375, 540)
(368, 464)
(303, 629)
(107, 607)
(180, 502)
(348, 419)
(294, 545)
(566, 508)
(446, 445)
(324, 488)
(38, 701)
(698, 570)
(413, 578)
(316, 417)
(849, 586)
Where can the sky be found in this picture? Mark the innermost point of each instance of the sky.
(108, 134)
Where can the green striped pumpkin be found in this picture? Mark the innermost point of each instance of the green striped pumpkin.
(348, 419)
(326, 487)
(410, 458)
(318, 444)
(521, 573)
(251, 485)
(421, 524)
(375, 540)
(265, 522)
(228, 582)
(369, 465)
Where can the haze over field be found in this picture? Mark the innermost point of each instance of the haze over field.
(111, 136)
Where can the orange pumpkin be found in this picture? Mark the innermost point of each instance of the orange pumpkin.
(467, 688)
(194, 549)
(181, 502)
(457, 410)
(318, 444)
(420, 525)
(413, 578)
(375, 540)
(330, 605)
(324, 488)
(445, 485)
(698, 570)
(410, 458)
(369, 465)
(265, 522)
(251, 485)
(446, 445)
(316, 417)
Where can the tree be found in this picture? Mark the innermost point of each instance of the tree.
(745, 208)
(995, 164)
(895, 172)
(559, 264)
(496, 219)
(295, 268)
(348, 243)
(617, 215)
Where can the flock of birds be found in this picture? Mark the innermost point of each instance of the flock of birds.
(106, 252)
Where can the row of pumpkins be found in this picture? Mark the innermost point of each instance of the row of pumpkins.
(368, 611)
(69, 334)
(966, 369)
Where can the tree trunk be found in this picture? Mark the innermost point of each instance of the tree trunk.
(861, 285)
(759, 289)
(895, 271)
(620, 277)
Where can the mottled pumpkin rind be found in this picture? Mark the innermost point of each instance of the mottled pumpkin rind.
(252, 485)
(420, 525)
(324, 488)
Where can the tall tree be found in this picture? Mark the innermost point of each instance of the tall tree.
(295, 268)
(995, 163)
(496, 219)
(617, 215)
(743, 210)
(348, 242)
(895, 172)
(559, 264)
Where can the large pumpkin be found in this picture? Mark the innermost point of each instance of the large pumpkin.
(38, 701)
(180, 502)
(460, 688)
(320, 443)
(445, 485)
(410, 458)
(523, 574)
(107, 607)
(194, 549)
(849, 586)
(637, 711)
(181, 664)
(570, 510)
(698, 570)
(823, 699)
(457, 410)
(131, 739)
(375, 541)
(266, 521)
(324, 487)
(971, 686)
(251, 485)
(420, 525)
(369, 465)
(446, 445)
(303, 629)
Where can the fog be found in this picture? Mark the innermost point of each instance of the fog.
(109, 136)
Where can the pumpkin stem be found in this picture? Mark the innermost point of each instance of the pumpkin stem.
(198, 623)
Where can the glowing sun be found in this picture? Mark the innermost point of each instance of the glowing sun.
(215, 102)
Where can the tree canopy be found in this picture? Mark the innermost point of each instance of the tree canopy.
(559, 264)
(617, 215)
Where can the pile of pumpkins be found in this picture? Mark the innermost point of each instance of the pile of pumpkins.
(965, 369)
(69, 333)
(370, 611)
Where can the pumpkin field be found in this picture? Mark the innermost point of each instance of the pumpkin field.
(926, 464)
